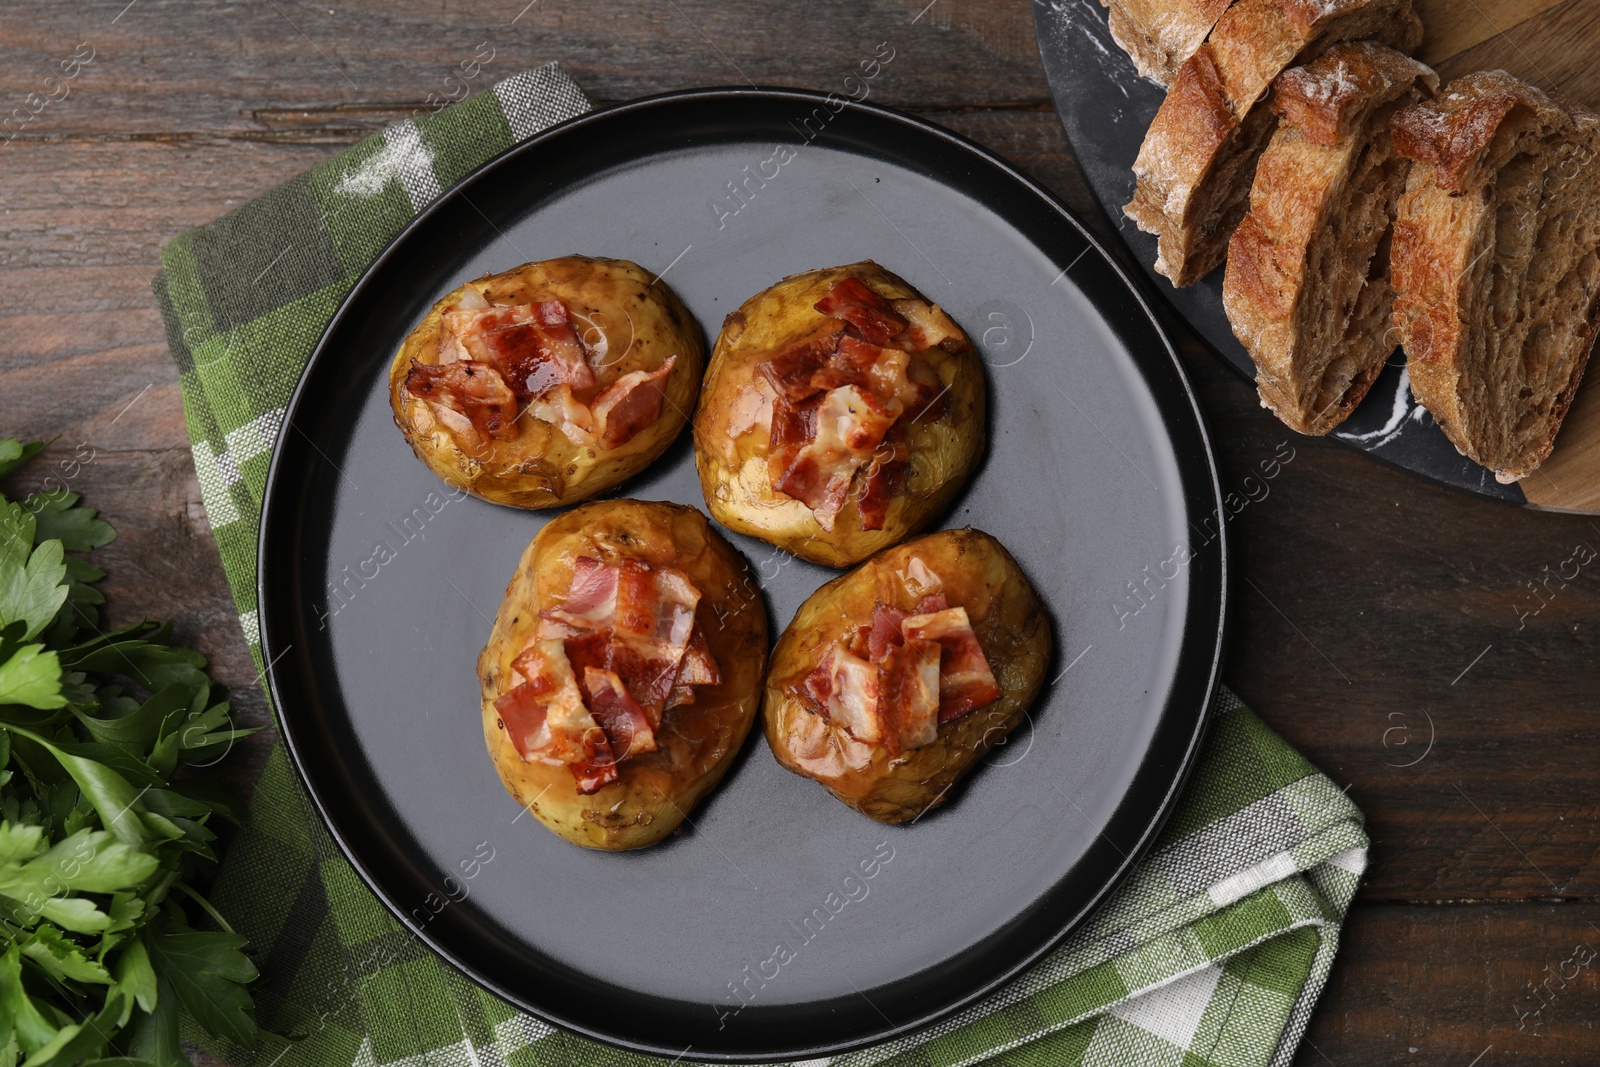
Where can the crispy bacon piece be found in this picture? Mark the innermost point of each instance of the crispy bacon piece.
(655, 617)
(598, 766)
(882, 474)
(965, 680)
(468, 388)
(794, 425)
(591, 599)
(794, 464)
(894, 681)
(534, 345)
(586, 650)
(649, 680)
(627, 630)
(626, 725)
(818, 487)
(620, 411)
(593, 588)
(544, 665)
(630, 403)
(698, 667)
(655, 608)
(927, 326)
(631, 619)
(523, 713)
(561, 408)
(845, 687)
(853, 363)
(818, 685)
(848, 425)
(885, 633)
(542, 360)
(853, 302)
(790, 372)
(835, 400)
(892, 699)
(910, 695)
(548, 721)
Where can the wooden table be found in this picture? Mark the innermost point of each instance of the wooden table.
(1434, 653)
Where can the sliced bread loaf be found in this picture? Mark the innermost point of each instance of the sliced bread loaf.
(1307, 286)
(1199, 156)
(1496, 263)
(1159, 35)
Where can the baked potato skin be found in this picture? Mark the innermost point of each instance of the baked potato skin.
(733, 469)
(643, 322)
(656, 790)
(1011, 625)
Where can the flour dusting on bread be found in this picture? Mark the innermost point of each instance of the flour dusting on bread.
(1497, 263)
(1307, 289)
(1356, 206)
(1199, 157)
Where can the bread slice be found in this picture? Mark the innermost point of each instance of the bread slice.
(1307, 289)
(1159, 35)
(1199, 156)
(1497, 263)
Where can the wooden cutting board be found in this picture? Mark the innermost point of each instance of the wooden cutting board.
(1106, 108)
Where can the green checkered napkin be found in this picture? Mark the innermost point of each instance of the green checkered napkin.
(1212, 952)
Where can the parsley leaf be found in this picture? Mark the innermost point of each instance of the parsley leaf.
(58, 955)
(58, 517)
(209, 972)
(136, 980)
(31, 586)
(101, 837)
(14, 453)
(32, 676)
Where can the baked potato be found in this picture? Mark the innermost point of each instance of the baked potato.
(842, 412)
(894, 679)
(623, 671)
(549, 383)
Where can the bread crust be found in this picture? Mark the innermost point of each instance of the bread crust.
(1497, 263)
(1159, 35)
(1198, 158)
(1307, 289)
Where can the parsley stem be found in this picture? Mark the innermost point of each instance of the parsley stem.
(206, 904)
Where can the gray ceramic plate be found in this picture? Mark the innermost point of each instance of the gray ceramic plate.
(1098, 469)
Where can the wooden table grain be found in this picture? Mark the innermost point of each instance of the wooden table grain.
(1437, 655)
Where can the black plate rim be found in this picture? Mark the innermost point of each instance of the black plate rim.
(1203, 715)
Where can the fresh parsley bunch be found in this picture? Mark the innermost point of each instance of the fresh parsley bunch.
(104, 813)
